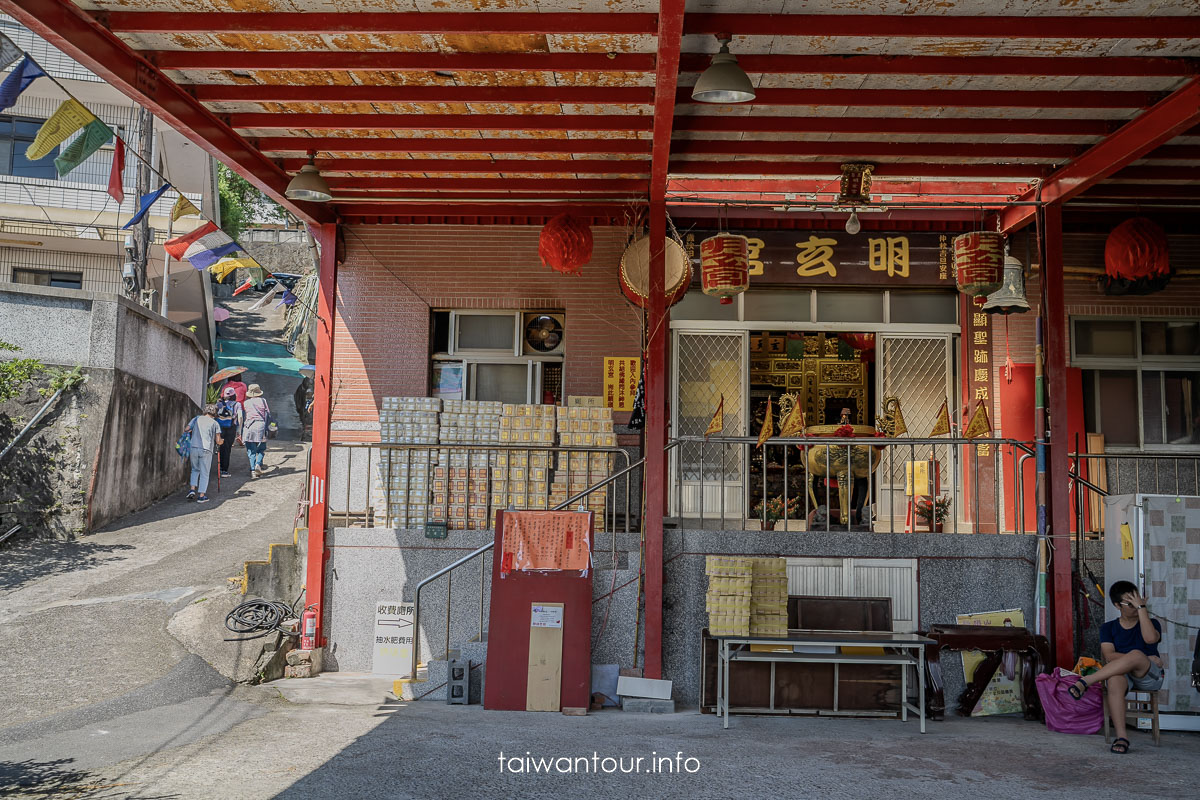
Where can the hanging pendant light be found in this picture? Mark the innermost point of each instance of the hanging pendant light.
(853, 226)
(724, 81)
(308, 184)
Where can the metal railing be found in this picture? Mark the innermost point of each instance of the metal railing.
(1127, 473)
(450, 568)
(360, 480)
(803, 475)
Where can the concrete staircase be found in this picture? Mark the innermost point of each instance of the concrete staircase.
(615, 645)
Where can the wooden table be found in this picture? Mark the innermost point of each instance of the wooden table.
(902, 645)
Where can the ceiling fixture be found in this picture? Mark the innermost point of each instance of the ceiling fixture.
(308, 184)
(853, 226)
(724, 81)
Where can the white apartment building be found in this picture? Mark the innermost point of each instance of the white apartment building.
(65, 232)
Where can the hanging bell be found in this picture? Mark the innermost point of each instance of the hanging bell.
(1010, 297)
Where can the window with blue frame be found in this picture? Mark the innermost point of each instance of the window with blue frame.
(16, 134)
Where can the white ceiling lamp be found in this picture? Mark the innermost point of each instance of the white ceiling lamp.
(308, 184)
(724, 81)
(853, 226)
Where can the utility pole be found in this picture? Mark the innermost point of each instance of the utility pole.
(142, 237)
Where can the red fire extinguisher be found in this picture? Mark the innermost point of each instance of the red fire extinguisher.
(308, 629)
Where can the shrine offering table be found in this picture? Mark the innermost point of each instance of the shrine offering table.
(900, 649)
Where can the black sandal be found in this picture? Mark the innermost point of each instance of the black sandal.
(1120, 746)
(1078, 689)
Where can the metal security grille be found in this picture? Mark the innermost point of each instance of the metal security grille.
(917, 369)
(708, 479)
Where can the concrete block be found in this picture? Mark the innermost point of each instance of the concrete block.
(311, 658)
(298, 671)
(572, 711)
(643, 687)
(648, 705)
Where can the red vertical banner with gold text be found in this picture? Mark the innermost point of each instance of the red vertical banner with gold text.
(978, 462)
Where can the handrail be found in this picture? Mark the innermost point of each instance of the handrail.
(489, 546)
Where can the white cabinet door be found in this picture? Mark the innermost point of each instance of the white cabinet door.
(895, 578)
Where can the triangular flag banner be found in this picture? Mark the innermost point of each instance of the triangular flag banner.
(942, 426)
(899, 428)
(793, 423)
(18, 80)
(95, 135)
(718, 421)
(266, 298)
(70, 117)
(183, 208)
(116, 176)
(288, 298)
(979, 425)
(768, 428)
(203, 247)
(242, 288)
(222, 269)
(144, 205)
(9, 52)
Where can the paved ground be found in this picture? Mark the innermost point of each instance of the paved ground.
(430, 750)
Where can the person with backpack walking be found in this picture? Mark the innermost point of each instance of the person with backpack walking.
(256, 427)
(229, 417)
(206, 438)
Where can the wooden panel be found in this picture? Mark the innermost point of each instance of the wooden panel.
(545, 660)
(1097, 472)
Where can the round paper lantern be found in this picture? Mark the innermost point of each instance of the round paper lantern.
(725, 266)
(979, 262)
(565, 244)
(1136, 249)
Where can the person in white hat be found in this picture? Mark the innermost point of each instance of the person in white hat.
(257, 421)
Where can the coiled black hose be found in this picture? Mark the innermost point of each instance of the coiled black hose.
(258, 618)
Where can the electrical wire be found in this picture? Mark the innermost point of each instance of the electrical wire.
(259, 618)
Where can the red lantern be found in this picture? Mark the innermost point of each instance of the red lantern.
(565, 244)
(979, 262)
(725, 266)
(1136, 249)
(863, 342)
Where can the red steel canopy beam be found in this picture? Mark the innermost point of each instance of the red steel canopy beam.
(332, 166)
(308, 60)
(1035, 66)
(389, 144)
(72, 31)
(992, 151)
(887, 125)
(467, 208)
(945, 98)
(954, 27)
(833, 169)
(878, 188)
(476, 22)
(468, 184)
(442, 122)
(582, 95)
(1135, 139)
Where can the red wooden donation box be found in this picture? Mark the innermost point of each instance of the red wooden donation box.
(539, 655)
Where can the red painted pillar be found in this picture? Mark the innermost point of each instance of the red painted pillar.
(318, 475)
(656, 436)
(1058, 494)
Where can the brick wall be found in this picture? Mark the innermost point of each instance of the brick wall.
(394, 275)
(1181, 298)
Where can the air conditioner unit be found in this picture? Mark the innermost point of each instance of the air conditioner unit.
(542, 334)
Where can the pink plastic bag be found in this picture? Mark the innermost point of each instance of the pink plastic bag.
(1064, 713)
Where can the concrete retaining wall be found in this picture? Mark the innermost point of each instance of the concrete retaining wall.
(956, 574)
(69, 327)
(145, 382)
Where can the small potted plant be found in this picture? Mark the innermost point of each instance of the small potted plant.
(774, 511)
(937, 508)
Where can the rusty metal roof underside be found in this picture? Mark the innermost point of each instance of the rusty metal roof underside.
(428, 107)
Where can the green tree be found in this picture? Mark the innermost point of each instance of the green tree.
(15, 372)
(242, 204)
